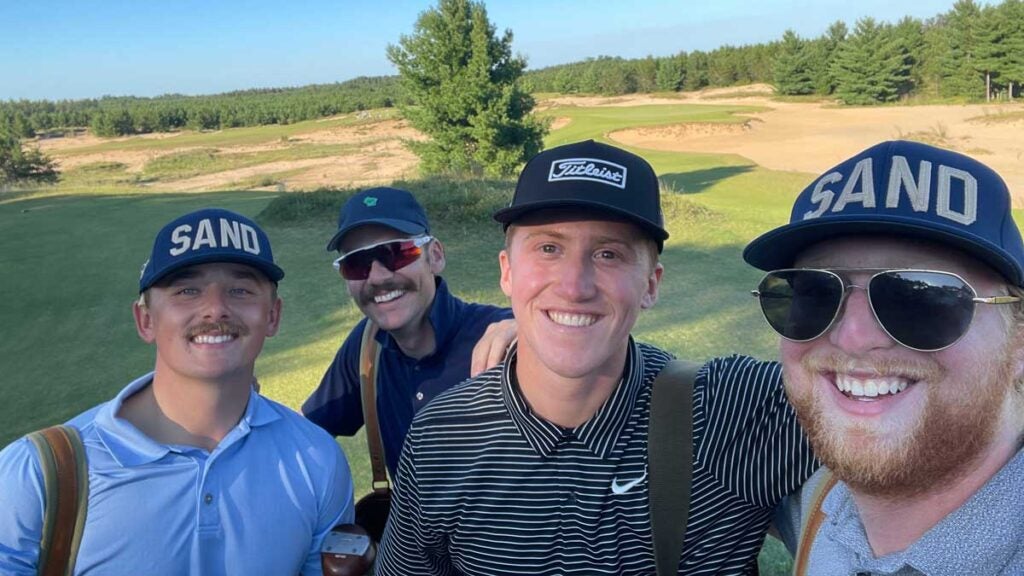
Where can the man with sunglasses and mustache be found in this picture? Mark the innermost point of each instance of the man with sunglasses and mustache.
(896, 288)
(391, 267)
(190, 470)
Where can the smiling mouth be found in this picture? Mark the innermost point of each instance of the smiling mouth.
(867, 389)
(213, 338)
(572, 320)
(388, 296)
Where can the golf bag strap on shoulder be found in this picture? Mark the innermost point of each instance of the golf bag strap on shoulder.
(369, 358)
(670, 459)
(811, 522)
(66, 482)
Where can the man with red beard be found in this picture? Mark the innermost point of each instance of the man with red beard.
(896, 288)
(391, 267)
(190, 469)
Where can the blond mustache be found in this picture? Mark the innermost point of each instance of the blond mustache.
(882, 367)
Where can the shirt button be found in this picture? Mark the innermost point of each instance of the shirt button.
(571, 498)
(208, 499)
(419, 396)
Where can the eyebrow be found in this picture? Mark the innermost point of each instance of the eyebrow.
(239, 271)
(600, 240)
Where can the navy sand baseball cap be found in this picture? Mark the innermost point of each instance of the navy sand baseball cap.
(389, 207)
(906, 189)
(590, 175)
(209, 235)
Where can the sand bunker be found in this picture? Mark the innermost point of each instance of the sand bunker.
(813, 137)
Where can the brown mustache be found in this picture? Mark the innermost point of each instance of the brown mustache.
(370, 291)
(231, 328)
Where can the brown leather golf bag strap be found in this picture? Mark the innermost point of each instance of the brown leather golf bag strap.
(66, 482)
(369, 358)
(670, 460)
(812, 522)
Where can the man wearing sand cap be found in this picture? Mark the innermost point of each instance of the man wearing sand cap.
(896, 288)
(190, 470)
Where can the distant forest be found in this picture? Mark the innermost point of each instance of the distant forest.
(969, 53)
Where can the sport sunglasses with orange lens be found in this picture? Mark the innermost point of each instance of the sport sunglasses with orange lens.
(392, 254)
(924, 310)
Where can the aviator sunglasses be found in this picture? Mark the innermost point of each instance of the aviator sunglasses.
(924, 310)
(392, 254)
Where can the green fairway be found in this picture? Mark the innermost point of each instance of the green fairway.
(597, 122)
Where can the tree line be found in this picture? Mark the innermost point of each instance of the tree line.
(118, 116)
(970, 52)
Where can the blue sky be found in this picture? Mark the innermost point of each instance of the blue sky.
(56, 49)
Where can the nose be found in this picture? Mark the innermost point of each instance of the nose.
(379, 272)
(856, 330)
(215, 303)
(576, 282)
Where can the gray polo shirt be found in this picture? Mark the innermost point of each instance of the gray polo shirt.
(985, 536)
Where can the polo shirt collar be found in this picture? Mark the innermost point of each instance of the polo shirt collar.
(130, 447)
(442, 315)
(984, 531)
(599, 434)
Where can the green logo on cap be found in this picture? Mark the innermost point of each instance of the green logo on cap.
(370, 201)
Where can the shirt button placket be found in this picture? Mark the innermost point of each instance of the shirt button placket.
(209, 513)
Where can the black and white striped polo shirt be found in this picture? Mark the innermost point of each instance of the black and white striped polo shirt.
(485, 487)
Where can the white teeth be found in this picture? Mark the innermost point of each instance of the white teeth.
(575, 320)
(213, 339)
(869, 387)
(388, 297)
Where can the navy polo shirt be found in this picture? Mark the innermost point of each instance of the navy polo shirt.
(405, 385)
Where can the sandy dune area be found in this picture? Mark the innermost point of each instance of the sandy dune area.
(812, 137)
(804, 137)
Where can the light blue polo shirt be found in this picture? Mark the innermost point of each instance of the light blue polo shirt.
(260, 503)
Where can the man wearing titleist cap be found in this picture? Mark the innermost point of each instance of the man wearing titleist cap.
(391, 266)
(539, 466)
(896, 288)
(190, 470)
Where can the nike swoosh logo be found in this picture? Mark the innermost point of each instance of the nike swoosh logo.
(623, 488)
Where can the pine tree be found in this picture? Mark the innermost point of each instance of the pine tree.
(792, 70)
(18, 165)
(464, 85)
(909, 34)
(960, 76)
(1012, 16)
(671, 71)
(870, 67)
(822, 54)
(696, 71)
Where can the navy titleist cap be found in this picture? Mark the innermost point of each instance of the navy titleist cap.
(389, 207)
(905, 189)
(590, 175)
(204, 236)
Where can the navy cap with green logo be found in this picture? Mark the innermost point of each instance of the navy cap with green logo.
(205, 236)
(389, 207)
(594, 176)
(906, 189)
